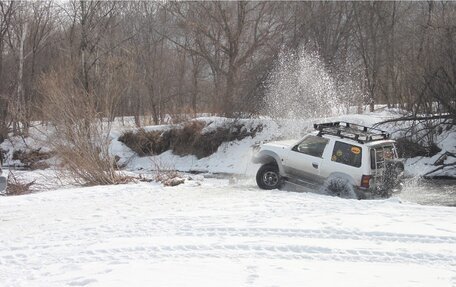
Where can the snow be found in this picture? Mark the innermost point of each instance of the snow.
(210, 233)
(419, 166)
(223, 231)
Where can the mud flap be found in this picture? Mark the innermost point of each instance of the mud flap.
(3, 182)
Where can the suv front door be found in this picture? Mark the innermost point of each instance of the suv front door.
(305, 159)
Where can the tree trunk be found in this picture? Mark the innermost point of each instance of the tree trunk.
(228, 101)
(3, 101)
(83, 46)
(20, 97)
(195, 91)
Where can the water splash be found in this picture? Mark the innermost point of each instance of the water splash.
(301, 87)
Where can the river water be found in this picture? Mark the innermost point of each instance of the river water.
(429, 192)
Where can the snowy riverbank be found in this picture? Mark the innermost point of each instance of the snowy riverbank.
(234, 157)
(210, 233)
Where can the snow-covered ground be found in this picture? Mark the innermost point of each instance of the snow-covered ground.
(208, 232)
(225, 231)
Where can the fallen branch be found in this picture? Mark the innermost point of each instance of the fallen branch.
(444, 157)
(416, 118)
(439, 168)
(16, 186)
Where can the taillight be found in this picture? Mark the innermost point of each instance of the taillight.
(365, 181)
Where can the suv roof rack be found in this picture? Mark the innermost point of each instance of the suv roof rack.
(359, 133)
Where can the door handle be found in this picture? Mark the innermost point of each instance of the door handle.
(315, 165)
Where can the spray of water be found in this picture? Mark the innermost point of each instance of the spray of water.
(301, 89)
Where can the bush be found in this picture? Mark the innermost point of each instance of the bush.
(144, 143)
(189, 140)
(33, 159)
(80, 139)
(17, 187)
(407, 148)
(186, 140)
(169, 178)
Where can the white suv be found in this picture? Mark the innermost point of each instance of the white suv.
(339, 158)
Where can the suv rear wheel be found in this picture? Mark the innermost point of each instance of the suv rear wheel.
(268, 177)
(339, 187)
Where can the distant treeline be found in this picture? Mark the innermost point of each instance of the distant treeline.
(172, 58)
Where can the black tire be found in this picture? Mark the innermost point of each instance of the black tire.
(339, 187)
(268, 177)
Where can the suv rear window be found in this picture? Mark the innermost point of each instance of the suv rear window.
(347, 154)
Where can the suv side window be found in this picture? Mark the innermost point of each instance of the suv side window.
(312, 145)
(347, 154)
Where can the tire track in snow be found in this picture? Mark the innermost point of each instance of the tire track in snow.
(316, 233)
(223, 232)
(264, 251)
(58, 252)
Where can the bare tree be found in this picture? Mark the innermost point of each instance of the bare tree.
(173, 58)
(17, 37)
(439, 77)
(41, 27)
(6, 11)
(228, 36)
(81, 138)
(369, 40)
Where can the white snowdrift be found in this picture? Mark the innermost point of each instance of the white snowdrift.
(208, 233)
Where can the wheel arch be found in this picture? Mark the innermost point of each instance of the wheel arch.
(336, 182)
(342, 175)
(269, 157)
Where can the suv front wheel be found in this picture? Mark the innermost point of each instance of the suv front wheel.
(268, 177)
